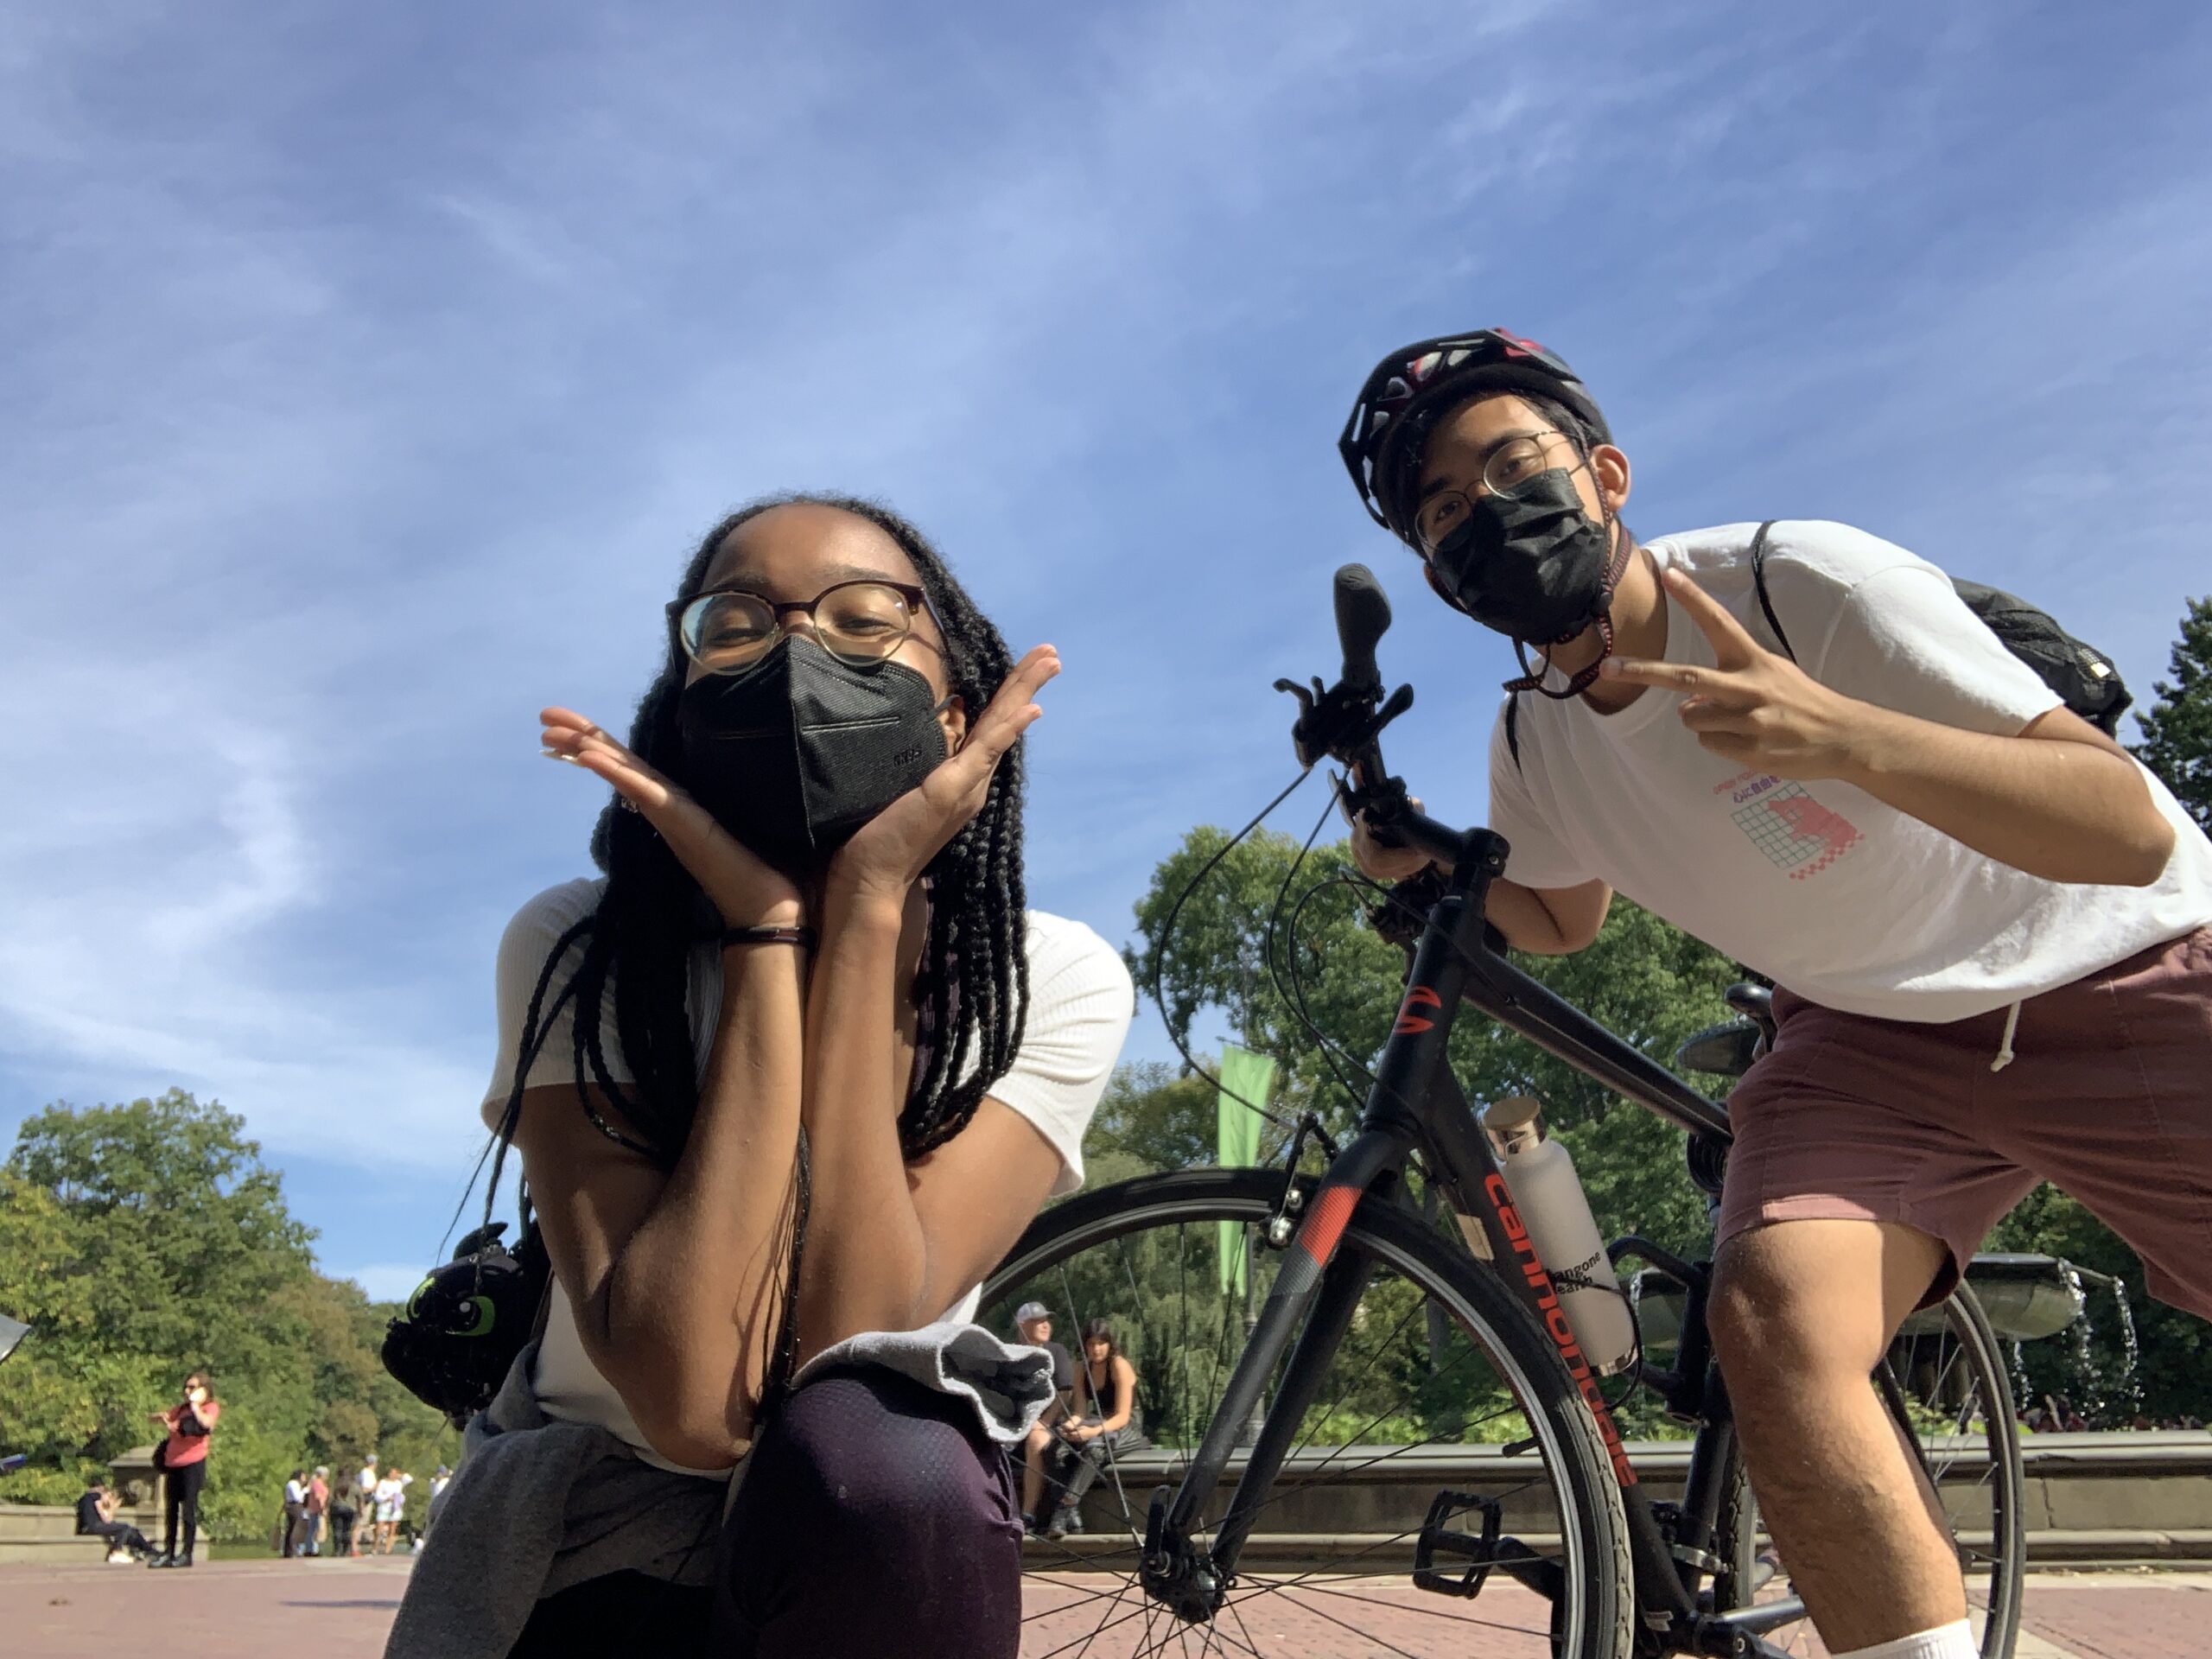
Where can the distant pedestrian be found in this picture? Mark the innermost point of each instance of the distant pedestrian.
(1106, 1419)
(344, 1512)
(1034, 1320)
(391, 1508)
(183, 1461)
(318, 1506)
(294, 1532)
(365, 1504)
(96, 1518)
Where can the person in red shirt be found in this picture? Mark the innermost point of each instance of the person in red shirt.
(191, 1424)
(318, 1506)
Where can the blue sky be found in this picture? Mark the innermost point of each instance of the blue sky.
(369, 371)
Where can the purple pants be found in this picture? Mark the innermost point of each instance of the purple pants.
(876, 1519)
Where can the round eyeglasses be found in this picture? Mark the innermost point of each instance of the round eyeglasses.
(728, 631)
(1510, 467)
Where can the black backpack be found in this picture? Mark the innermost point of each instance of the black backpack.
(2082, 676)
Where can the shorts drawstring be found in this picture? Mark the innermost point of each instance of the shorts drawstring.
(2005, 1055)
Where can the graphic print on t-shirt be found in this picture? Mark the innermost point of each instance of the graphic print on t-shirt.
(1796, 832)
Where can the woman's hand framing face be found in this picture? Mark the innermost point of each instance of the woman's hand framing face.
(748, 890)
(889, 853)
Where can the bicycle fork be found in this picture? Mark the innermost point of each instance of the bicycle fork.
(1314, 1295)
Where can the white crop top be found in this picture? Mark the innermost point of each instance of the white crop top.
(1080, 1004)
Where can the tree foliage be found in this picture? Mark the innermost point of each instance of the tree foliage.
(2178, 729)
(143, 1241)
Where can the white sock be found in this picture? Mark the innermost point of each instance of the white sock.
(1954, 1641)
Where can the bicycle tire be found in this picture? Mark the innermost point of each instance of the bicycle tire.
(1593, 1527)
(1979, 1375)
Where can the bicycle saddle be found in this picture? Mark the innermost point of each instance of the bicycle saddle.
(1730, 1047)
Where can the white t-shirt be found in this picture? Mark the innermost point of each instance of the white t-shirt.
(391, 1497)
(1080, 1004)
(1848, 902)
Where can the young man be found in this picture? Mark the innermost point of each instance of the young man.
(364, 1504)
(296, 1514)
(1989, 923)
(1034, 1320)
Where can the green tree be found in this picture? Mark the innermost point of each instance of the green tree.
(1150, 1119)
(146, 1240)
(2178, 729)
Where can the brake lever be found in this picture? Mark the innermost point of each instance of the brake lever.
(1340, 723)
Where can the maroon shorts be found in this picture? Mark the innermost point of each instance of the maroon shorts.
(2108, 1097)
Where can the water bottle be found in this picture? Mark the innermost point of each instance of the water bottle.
(1548, 1196)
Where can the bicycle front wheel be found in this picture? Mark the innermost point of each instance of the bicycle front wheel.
(1445, 1432)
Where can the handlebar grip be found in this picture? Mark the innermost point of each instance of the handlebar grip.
(1363, 617)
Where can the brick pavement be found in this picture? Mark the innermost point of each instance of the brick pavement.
(340, 1610)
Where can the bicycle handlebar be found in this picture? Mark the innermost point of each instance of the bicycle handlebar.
(1363, 617)
(1344, 722)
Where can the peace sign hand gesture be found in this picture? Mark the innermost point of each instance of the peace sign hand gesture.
(1753, 707)
(890, 852)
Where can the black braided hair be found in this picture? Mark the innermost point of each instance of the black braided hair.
(974, 987)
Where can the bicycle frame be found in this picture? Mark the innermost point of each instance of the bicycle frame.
(1416, 1106)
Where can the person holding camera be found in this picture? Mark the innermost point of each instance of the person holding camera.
(182, 1459)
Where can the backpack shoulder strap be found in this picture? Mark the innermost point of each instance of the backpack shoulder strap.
(1758, 581)
(1513, 727)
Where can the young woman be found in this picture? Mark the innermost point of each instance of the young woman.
(798, 1067)
(1107, 1419)
(191, 1425)
(391, 1508)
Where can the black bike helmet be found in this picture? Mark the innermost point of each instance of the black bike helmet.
(1410, 387)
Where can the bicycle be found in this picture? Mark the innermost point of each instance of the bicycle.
(1459, 1338)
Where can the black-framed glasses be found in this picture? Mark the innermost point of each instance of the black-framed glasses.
(1509, 470)
(730, 629)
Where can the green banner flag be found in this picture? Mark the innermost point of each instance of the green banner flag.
(1244, 1079)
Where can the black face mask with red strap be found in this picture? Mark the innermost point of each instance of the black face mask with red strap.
(1535, 566)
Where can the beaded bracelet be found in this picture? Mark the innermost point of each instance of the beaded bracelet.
(803, 937)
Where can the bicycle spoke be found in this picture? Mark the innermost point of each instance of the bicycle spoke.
(1412, 1607)
(1368, 1636)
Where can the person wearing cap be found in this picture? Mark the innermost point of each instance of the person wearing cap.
(1034, 1320)
(1987, 924)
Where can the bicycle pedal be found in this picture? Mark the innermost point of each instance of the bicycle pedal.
(1438, 1538)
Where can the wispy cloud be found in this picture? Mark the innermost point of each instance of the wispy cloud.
(371, 374)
